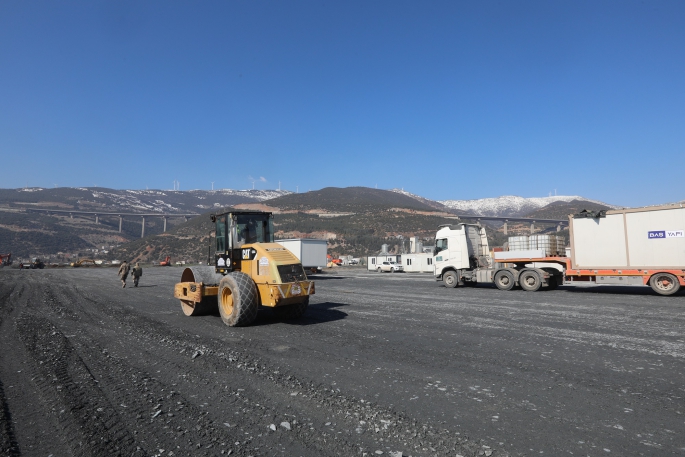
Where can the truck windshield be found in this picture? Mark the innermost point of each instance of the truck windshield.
(251, 228)
(440, 245)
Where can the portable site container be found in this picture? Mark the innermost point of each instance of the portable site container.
(372, 262)
(418, 262)
(640, 238)
(312, 253)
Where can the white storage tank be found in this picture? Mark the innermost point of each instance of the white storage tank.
(518, 243)
(546, 243)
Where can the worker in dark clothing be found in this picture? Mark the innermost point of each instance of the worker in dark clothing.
(137, 272)
(123, 273)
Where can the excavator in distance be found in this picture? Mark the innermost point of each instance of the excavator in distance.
(166, 262)
(248, 270)
(82, 262)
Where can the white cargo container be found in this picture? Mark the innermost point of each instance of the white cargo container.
(311, 253)
(630, 238)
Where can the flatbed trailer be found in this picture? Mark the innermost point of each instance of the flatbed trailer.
(659, 279)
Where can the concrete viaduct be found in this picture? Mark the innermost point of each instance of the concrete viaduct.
(558, 222)
(119, 215)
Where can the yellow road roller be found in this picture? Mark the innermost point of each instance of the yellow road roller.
(248, 270)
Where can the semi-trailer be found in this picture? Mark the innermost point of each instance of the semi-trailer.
(638, 246)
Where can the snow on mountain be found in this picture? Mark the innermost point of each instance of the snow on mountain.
(433, 203)
(257, 194)
(510, 205)
(100, 199)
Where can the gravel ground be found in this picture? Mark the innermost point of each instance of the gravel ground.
(381, 364)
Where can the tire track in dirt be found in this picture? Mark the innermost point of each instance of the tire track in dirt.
(66, 384)
(374, 427)
(8, 441)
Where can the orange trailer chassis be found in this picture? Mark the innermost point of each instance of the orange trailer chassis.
(590, 275)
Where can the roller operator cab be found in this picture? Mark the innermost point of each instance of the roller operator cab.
(249, 270)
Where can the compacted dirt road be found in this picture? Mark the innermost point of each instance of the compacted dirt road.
(379, 365)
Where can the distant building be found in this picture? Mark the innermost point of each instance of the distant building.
(419, 262)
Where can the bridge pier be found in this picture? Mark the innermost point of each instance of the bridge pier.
(165, 218)
(532, 227)
(558, 227)
(142, 232)
(120, 221)
(505, 228)
(97, 219)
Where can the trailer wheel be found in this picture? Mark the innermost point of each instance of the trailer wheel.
(237, 299)
(504, 280)
(292, 311)
(664, 284)
(530, 281)
(450, 279)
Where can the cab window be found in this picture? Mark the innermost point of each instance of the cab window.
(440, 245)
(253, 229)
(221, 234)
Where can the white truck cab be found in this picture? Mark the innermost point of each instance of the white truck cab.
(462, 257)
(462, 254)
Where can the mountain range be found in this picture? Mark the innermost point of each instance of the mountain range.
(131, 201)
(511, 205)
(356, 220)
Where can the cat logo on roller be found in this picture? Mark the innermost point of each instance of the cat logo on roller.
(248, 270)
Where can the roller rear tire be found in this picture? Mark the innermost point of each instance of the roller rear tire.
(238, 302)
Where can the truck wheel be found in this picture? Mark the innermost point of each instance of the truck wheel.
(530, 281)
(237, 299)
(292, 311)
(664, 284)
(450, 279)
(553, 283)
(379, 270)
(504, 280)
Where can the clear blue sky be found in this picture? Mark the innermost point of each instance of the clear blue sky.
(449, 100)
